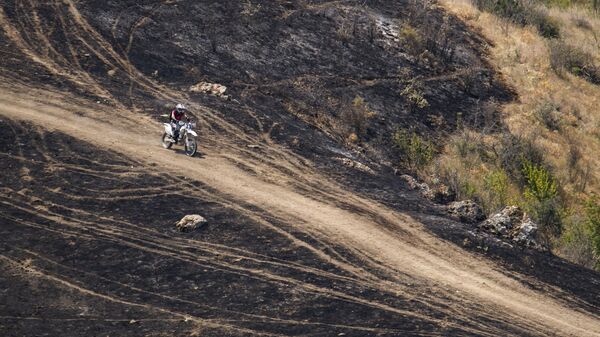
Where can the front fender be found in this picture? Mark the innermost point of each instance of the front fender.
(193, 133)
(168, 129)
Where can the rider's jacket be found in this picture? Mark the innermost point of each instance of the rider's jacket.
(176, 116)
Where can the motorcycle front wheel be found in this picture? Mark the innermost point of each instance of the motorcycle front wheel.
(190, 146)
(166, 143)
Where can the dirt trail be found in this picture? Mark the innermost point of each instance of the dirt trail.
(409, 250)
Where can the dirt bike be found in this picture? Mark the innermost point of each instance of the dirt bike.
(186, 133)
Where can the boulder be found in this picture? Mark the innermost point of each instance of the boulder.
(439, 193)
(525, 234)
(466, 211)
(214, 89)
(190, 223)
(503, 222)
(513, 224)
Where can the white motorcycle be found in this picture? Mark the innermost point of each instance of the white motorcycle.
(186, 133)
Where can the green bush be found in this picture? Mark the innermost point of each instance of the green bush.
(414, 96)
(576, 245)
(541, 185)
(541, 195)
(513, 151)
(415, 151)
(497, 184)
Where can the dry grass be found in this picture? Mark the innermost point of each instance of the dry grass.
(523, 57)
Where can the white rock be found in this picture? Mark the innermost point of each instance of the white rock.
(190, 223)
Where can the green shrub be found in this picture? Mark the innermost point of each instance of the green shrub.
(414, 96)
(513, 151)
(541, 195)
(468, 190)
(577, 245)
(497, 184)
(415, 151)
(541, 185)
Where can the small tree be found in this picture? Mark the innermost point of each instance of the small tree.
(541, 193)
(540, 183)
(414, 96)
(415, 151)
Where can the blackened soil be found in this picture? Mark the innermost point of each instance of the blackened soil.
(88, 246)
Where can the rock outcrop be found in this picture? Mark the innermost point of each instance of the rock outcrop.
(439, 194)
(214, 89)
(466, 211)
(190, 223)
(356, 165)
(513, 224)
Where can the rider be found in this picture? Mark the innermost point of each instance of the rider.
(176, 116)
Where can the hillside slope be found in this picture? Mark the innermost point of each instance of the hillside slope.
(297, 242)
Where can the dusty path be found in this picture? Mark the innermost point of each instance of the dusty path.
(402, 246)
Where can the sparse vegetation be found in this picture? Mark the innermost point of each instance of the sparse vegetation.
(412, 40)
(547, 112)
(522, 13)
(414, 96)
(541, 191)
(355, 117)
(592, 224)
(567, 58)
(550, 174)
(497, 187)
(415, 152)
(344, 32)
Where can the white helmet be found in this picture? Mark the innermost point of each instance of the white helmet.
(180, 107)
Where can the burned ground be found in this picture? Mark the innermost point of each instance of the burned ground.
(75, 215)
(88, 238)
(291, 67)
